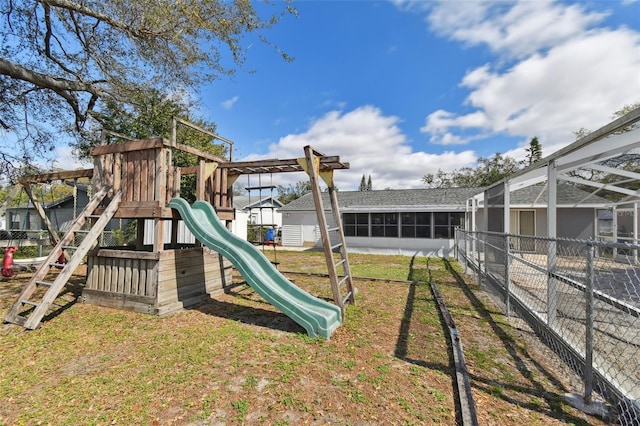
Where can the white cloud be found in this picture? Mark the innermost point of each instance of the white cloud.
(511, 29)
(372, 143)
(64, 158)
(564, 80)
(229, 103)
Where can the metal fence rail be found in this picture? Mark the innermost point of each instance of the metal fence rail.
(581, 297)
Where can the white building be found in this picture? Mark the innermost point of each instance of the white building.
(423, 221)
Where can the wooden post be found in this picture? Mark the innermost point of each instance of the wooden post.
(200, 180)
(41, 213)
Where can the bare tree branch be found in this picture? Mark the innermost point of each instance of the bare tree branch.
(19, 72)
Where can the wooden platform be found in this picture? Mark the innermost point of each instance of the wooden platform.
(155, 283)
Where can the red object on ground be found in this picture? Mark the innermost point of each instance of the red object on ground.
(7, 262)
(62, 259)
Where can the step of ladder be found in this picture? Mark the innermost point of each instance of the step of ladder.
(31, 319)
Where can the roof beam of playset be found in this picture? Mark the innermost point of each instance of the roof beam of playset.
(280, 166)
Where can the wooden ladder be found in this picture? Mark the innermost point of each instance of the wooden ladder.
(32, 305)
(341, 296)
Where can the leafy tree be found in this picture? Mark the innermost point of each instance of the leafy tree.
(61, 61)
(486, 172)
(287, 194)
(582, 132)
(150, 115)
(534, 152)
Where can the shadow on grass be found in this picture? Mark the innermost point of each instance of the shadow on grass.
(402, 344)
(520, 357)
(247, 314)
(68, 297)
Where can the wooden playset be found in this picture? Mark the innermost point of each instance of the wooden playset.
(135, 180)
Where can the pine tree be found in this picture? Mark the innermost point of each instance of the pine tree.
(363, 184)
(534, 152)
(369, 184)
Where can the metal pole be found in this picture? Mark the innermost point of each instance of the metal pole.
(552, 282)
(588, 357)
(484, 254)
(507, 275)
(467, 245)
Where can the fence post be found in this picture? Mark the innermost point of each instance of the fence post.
(507, 275)
(476, 253)
(552, 283)
(467, 244)
(588, 345)
(484, 256)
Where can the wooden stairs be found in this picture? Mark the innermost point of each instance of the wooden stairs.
(40, 292)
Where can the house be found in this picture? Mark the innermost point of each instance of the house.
(60, 213)
(579, 213)
(253, 213)
(406, 221)
(423, 221)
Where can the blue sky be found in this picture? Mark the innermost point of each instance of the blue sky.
(399, 89)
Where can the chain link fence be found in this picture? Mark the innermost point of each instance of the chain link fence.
(581, 297)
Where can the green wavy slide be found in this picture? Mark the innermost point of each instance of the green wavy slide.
(316, 316)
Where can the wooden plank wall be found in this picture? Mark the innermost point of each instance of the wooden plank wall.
(219, 195)
(142, 170)
(189, 276)
(125, 276)
(156, 283)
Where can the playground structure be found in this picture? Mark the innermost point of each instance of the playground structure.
(136, 180)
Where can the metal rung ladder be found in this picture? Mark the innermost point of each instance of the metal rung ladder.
(338, 281)
(30, 308)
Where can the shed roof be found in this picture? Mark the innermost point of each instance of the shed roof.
(241, 202)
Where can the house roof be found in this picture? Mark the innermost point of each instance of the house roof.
(241, 202)
(567, 195)
(397, 199)
(442, 199)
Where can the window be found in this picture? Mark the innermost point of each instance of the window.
(416, 225)
(403, 225)
(15, 221)
(356, 224)
(384, 225)
(445, 224)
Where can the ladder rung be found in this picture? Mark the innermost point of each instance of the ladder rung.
(29, 302)
(340, 263)
(332, 229)
(250, 188)
(58, 265)
(19, 319)
(336, 246)
(47, 283)
(347, 297)
(69, 248)
(343, 280)
(93, 216)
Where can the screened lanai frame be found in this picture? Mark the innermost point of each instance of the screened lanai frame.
(620, 138)
(580, 296)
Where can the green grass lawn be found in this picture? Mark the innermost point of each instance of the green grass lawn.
(236, 360)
